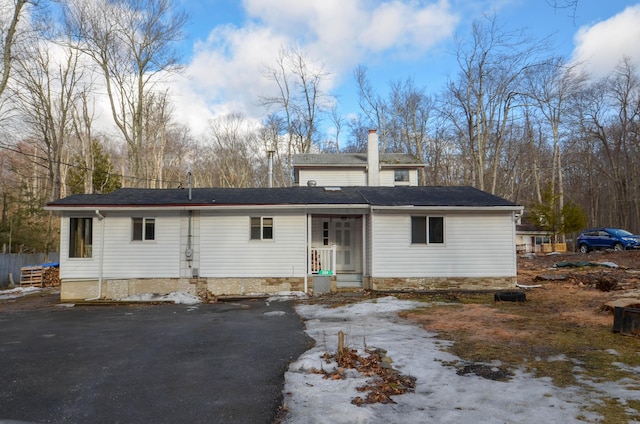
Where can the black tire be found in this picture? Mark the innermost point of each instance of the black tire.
(512, 296)
(618, 247)
(583, 248)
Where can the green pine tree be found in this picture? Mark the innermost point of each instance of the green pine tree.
(104, 178)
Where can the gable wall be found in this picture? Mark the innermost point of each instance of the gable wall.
(476, 245)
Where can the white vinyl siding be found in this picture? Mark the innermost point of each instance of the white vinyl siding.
(388, 178)
(346, 177)
(78, 267)
(476, 245)
(337, 177)
(226, 249)
(124, 258)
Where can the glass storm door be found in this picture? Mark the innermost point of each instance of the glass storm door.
(343, 238)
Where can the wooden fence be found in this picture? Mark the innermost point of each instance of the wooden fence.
(12, 263)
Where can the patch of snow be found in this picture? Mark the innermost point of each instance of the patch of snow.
(557, 358)
(175, 297)
(18, 292)
(66, 305)
(441, 395)
(612, 352)
(286, 295)
(274, 313)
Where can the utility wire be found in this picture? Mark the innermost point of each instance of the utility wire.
(81, 167)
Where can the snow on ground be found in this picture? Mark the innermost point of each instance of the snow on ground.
(441, 396)
(175, 297)
(18, 292)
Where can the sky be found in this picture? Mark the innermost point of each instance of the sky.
(229, 43)
(440, 394)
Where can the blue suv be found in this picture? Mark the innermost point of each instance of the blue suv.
(607, 238)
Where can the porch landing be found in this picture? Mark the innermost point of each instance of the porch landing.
(344, 281)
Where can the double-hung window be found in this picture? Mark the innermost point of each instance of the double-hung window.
(143, 229)
(80, 237)
(401, 176)
(261, 228)
(427, 230)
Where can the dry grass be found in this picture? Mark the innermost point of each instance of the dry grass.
(561, 332)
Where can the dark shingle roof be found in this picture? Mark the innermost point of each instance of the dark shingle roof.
(352, 159)
(374, 196)
(431, 196)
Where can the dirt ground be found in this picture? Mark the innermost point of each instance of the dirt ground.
(569, 294)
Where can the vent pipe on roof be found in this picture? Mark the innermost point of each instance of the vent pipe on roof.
(270, 169)
(373, 160)
(189, 182)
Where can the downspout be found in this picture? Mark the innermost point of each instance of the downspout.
(189, 251)
(101, 257)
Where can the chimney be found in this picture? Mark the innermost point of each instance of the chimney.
(373, 161)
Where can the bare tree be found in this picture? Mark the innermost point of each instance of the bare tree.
(551, 86)
(375, 108)
(82, 120)
(9, 31)
(413, 113)
(270, 133)
(300, 99)
(480, 102)
(131, 42)
(47, 90)
(610, 118)
(157, 123)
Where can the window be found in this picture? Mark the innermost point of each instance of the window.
(144, 229)
(80, 237)
(325, 233)
(401, 175)
(261, 228)
(421, 233)
(418, 230)
(436, 229)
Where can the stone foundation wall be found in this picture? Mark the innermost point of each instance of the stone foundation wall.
(442, 283)
(117, 289)
(211, 287)
(253, 286)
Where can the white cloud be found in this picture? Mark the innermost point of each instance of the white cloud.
(603, 45)
(226, 68)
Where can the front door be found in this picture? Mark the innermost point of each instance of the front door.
(344, 230)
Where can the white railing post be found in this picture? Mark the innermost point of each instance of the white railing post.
(333, 259)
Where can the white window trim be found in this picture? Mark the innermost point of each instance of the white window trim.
(84, 257)
(428, 242)
(144, 229)
(262, 218)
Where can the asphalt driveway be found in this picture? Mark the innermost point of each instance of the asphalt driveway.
(218, 363)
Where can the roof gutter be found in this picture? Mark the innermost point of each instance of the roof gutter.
(112, 208)
(405, 208)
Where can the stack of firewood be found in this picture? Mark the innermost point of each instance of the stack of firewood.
(51, 276)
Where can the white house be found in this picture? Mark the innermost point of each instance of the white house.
(215, 241)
